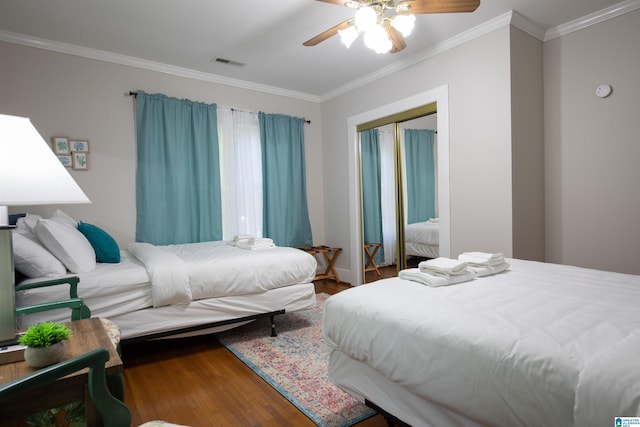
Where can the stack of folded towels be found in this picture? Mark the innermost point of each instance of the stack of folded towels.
(253, 243)
(438, 272)
(483, 263)
(240, 238)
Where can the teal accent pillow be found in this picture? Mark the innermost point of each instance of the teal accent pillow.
(104, 245)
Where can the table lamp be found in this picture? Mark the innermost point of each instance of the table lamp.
(30, 174)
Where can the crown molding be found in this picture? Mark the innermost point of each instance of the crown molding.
(521, 22)
(592, 19)
(438, 48)
(131, 61)
(508, 18)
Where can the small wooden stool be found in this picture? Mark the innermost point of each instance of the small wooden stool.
(330, 255)
(370, 264)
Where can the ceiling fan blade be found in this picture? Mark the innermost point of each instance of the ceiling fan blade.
(338, 2)
(397, 41)
(437, 6)
(328, 33)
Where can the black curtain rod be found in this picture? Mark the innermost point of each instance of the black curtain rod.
(134, 94)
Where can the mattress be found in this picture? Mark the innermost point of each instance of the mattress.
(423, 239)
(242, 281)
(424, 233)
(540, 344)
(425, 251)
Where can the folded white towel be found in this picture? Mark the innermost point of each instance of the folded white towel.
(444, 265)
(239, 237)
(434, 279)
(433, 220)
(260, 241)
(482, 271)
(255, 246)
(481, 258)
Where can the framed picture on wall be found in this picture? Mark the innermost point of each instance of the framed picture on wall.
(79, 145)
(80, 161)
(66, 160)
(61, 145)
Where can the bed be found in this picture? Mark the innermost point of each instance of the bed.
(422, 239)
(537, 345)
(155, 291)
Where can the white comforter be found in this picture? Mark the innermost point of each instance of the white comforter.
(424, 233)
(181, 273)
(539, 345)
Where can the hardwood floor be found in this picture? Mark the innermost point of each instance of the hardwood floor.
(198, 382)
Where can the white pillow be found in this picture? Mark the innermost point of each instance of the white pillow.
(64, 218)
(27, 225)
(67, 244)
(33, 260)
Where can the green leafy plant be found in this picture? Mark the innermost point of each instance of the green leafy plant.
(45, 334)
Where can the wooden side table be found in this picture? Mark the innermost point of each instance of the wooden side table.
(87, 335)
(330, 255)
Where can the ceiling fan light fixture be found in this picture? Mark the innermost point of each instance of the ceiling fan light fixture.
(348, 36)
(404, 24)
(403, 8)
(366, 18)
(377, 39)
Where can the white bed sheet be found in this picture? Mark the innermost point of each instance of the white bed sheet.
(423, 239)
(425, 251)
(360, 380)
(217, 271)
(424, 233)
(169, 318)
(109, 290)
(541, 344)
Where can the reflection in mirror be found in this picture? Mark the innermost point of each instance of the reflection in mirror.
(384, 182)
(377, 148)
(421, 222)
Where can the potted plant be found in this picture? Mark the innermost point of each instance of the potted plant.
(45, 343)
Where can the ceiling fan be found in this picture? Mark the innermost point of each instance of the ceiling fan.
(385, 22)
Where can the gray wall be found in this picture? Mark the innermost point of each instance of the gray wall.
(477, 74)
(66, 95)
(590, 202)
(527, 146)
(592, 146)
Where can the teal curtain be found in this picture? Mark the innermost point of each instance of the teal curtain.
(178, 172)
(285, 210)
(420, 171)
(371, 190)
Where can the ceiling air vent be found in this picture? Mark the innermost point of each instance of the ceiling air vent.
(227, 61)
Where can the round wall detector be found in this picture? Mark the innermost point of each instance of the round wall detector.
(603, 91)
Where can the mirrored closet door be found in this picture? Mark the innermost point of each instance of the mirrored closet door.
(398, 182)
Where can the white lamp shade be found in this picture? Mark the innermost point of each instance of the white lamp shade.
(348, 35)
(377, 39)
(404, 24)
(365, 18)
(30, 173)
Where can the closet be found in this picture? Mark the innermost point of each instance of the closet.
(398, 185)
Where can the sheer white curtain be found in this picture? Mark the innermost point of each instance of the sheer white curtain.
(387, 194)
(241, 172)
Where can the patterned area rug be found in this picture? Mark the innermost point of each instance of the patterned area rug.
(295, 363)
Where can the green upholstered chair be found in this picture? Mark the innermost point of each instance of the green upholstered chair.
(113, 411)
(78, 311)
(72, 281)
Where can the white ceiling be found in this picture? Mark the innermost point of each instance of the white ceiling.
(182, 36)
